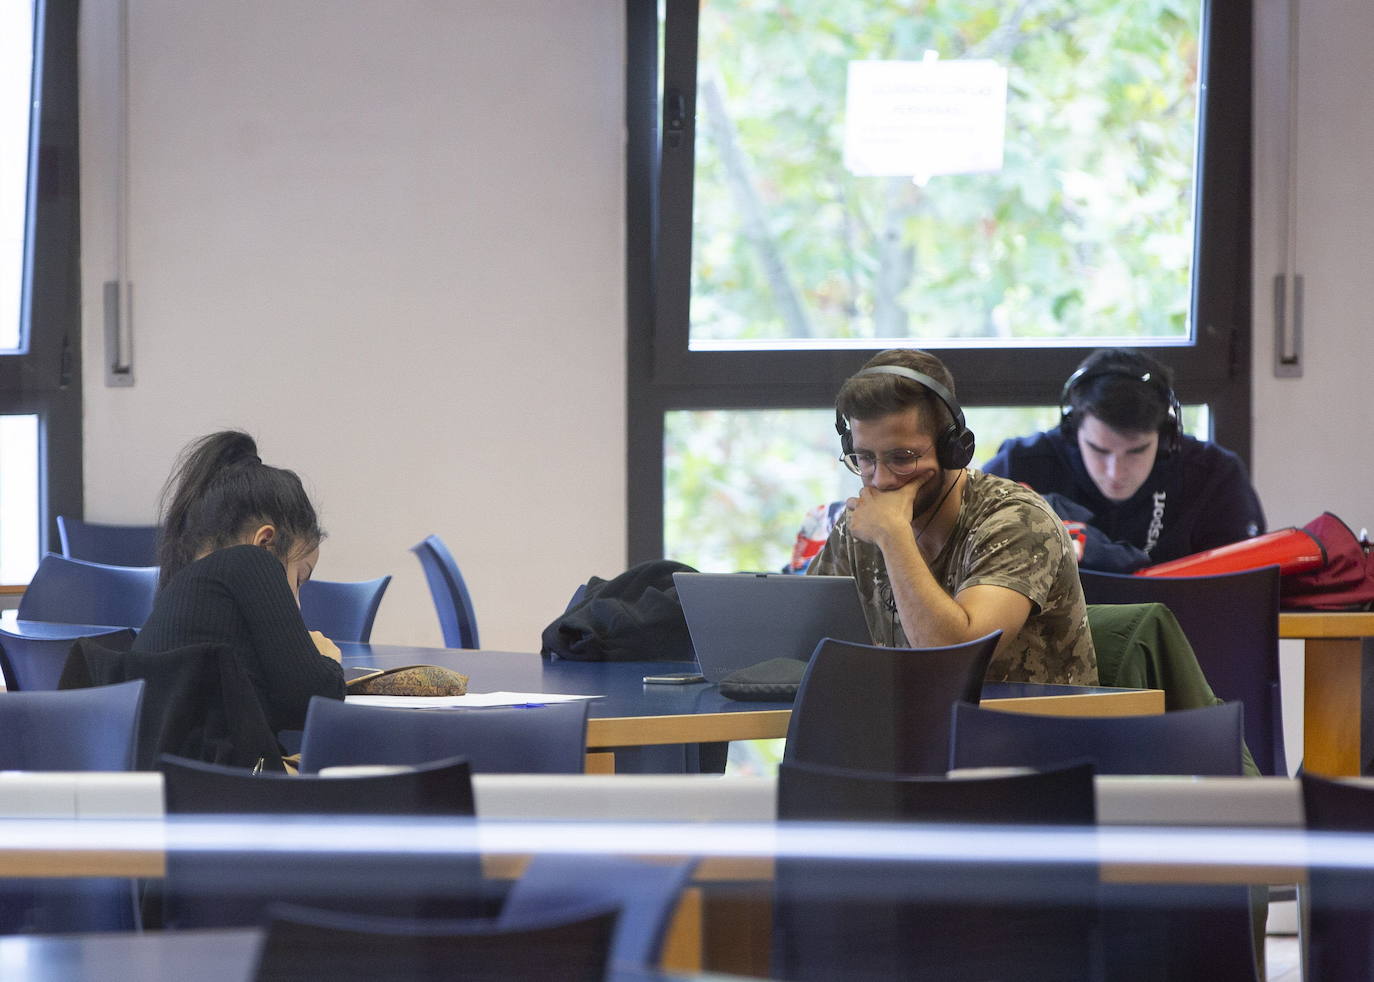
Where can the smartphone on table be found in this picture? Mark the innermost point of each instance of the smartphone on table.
(674, 678)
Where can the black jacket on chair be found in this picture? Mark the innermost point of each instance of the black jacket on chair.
(634, 617)
(197, 702)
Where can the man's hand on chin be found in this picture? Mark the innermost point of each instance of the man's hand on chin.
(875, 516)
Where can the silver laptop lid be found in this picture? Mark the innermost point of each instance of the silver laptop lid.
(740, 619)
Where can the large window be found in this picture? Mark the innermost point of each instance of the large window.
(40, 301)
(1012, 184)
(16, 158)
(979, 172)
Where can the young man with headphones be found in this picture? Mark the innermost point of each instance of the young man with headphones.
(1120, 466)
(943, 554)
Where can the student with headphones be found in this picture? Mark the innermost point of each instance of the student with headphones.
(1120, 466)
(943, 554)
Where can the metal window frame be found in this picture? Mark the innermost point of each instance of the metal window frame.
(46, 379)
(664, 375)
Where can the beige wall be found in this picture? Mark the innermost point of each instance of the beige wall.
(387, 239)
(1312, 433)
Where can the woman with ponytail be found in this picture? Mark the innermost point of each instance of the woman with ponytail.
(238, 539)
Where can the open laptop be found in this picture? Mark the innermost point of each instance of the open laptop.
(740, 619)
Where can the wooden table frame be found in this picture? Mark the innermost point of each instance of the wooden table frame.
(1337, 648)
(625, 731)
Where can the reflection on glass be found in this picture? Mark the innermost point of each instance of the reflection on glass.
(975, 174)
(16, 98)
(18, 498)
(737, 483)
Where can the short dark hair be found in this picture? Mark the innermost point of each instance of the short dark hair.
(1123, 387)
(219, 491)
(872, 396)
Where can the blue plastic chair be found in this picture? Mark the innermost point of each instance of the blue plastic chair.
(34, 663)
(73, 591)
(78, 730)
(342, 611)
(884, 709)
(1340, 929)
(1160, 931)
(839, 918)
(569, 946)
(86, 730)
(549, 739)
(1232, 622)
(114, 545)
(647, 894)
(450, 593)
(233, 886)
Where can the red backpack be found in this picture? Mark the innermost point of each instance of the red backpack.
(1344, 582)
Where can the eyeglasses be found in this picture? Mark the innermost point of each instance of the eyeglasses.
(899, 462)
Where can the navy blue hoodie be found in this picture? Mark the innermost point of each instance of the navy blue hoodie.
(1197, 498)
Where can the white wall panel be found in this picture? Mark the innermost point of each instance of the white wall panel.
(386, 237)
(1312, 433)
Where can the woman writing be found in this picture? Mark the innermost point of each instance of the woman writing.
(239, 537)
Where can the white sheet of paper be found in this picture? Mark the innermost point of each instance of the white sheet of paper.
(470, 701)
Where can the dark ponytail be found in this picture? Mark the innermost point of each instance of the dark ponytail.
(219, 492)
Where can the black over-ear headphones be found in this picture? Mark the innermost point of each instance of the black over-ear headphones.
(953, 444)
(1170, 431)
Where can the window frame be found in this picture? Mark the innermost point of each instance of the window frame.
(46, 379)
(663, 375)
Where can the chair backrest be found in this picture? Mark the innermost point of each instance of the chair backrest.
(89, 730)
(883, 709)
(193, 787)
(646, 893)
(77, 592)
(342, 611)
(114, 545)
(1190, 741)
(1232, 622)
(1055, 796)
(86, 730)
(1340, 934)
(1150, 931)
(572, 946)
(34, 663)
(451, 600)
(231, 886)
(549, 739)
(843, 917)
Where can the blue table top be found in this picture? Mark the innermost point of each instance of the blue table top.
(619, 683)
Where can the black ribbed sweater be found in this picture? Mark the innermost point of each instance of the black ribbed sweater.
(239, 596)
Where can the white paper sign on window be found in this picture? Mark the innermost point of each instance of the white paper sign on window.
(918, 119)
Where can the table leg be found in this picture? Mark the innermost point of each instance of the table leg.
(1334, 671)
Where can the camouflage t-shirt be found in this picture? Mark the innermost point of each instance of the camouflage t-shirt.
(1005, 536)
